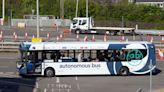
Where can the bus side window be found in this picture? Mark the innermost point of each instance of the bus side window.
(53, 56)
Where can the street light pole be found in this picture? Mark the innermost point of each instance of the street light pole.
(37, 15)
(86, 8)
(150, 66)
(77, 2)
(3, 9)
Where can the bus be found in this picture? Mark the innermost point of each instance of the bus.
(86, 58)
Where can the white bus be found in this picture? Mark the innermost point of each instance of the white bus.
(86, 58)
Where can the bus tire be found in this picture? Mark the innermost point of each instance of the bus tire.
(49, 72)
(77, 31)
(124, 71)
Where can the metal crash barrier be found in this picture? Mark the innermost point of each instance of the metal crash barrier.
(9, 46)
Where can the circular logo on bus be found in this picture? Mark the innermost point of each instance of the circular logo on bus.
(134, 57)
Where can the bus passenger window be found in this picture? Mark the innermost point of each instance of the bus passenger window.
(44, 56)
(53, 56)
(122, 55)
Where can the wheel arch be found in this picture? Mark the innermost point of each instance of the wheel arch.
(124, 67)
(51, 69)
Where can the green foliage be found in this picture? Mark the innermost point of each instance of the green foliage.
(100, 10)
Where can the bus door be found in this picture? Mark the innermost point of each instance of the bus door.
(34, 63)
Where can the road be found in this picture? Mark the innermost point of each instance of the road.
(10, 81)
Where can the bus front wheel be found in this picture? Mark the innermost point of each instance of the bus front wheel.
(124, 71)
(49, 72)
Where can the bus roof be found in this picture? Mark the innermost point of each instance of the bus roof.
(82, 45)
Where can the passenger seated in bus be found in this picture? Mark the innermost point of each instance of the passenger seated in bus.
(30, 66)
(109, 56)
(80, 57)
(101, 56)
(114, 55)
(29, 56)
(58, 55)
(44, 56)
(53, 56)
(122, 55)
(89, 59)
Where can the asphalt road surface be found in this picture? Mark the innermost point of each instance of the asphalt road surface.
(10, 81)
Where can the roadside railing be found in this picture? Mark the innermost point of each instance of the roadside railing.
(9, 46)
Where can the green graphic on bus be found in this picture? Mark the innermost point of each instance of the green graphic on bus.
(134, 57)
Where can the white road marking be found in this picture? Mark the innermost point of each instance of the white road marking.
(76, 78)
(37, 85)
(45, 90)
(68, 90)
(78, 86)
(57, 80)
(1, 73)
(52, 90)
(9, 73)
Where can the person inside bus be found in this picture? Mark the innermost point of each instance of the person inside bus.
(122, 55)
(58, 55)
(79, 57)
(53, 56)
(114, 55)
(44, 56)
(109, 56)
(100, 56)
(29, 56)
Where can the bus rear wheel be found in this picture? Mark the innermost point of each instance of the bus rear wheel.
(49, 72)
(77, 31)
(124, 71)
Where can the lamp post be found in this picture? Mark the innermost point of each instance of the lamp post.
(3, 9)
(37, 15)
(86, 8)
(77, 2)
(150, 67)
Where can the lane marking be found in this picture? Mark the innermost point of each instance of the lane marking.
(78, 86)
(57, 80)
(37, 85)
(1, 73)
(45, 90)
(76, 78)
(68, 90)
(52, 90)
(10, 73)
